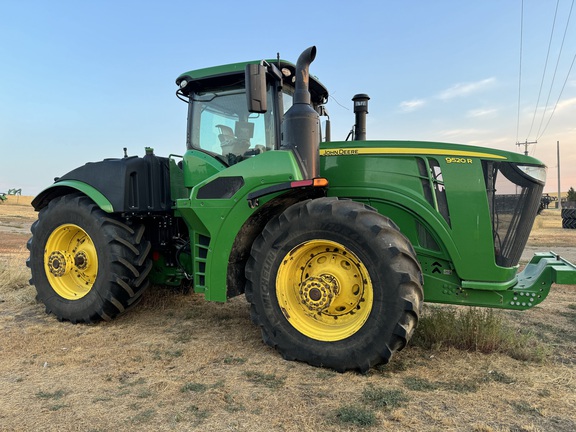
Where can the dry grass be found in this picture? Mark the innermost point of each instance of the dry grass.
(17, 200)
(177, 362)
(547, 231)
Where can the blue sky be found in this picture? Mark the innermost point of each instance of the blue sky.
(80, 80)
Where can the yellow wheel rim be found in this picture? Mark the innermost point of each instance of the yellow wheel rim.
(70, 262)
(324, 290)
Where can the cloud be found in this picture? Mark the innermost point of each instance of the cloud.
(461, 132)
(562, 105)
(412, 105)
(464, 89)
(481, 112)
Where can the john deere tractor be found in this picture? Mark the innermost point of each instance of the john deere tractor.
(335, 244)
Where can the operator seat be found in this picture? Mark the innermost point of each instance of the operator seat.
(230, 143)
(226, 135)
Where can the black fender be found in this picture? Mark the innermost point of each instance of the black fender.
(130, 184)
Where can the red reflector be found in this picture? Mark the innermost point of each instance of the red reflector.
(301, 183)
(155, 256)
(317, 182)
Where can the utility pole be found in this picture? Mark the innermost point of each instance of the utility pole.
(558, 161)
(525, 144)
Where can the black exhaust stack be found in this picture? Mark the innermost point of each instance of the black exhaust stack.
(360, 109)
(301, 125)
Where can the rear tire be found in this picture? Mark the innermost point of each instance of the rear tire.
(569, 223)
(568, 213)
(86, 265)
(334, 284)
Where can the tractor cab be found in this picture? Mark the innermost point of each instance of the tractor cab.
(235, 111)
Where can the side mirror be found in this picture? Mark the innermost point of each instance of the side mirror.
(256, 88)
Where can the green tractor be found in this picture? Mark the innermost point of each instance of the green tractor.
(335, 244)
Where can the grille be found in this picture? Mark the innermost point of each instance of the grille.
(514, 199)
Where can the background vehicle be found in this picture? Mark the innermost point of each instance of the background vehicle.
(335, 244)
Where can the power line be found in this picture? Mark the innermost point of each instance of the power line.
(555, 70)
(520, 68)
(545, 66)
(560, 95)
(541, 131)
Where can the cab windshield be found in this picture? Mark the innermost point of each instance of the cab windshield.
(221, 124)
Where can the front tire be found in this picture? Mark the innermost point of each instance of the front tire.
(86, 265)
(334, 284)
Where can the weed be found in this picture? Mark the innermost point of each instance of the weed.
(355, 415)
(200, 415)
(234, 360)
(475, 329)
(500, 377)
(525, 408)
(398, 365)
(156, 354)
(218, 384)
(544, 393)
(193, 387)
(379, 397)
(174, 353)
(183, 337)
(325, 374)
(188, 315)
(126, 380)
(420, 384)
(231, 404)
(58, 394)
(571, 316)
(461, 386)
(101, 399)
(144, 416)
(267, 380)
(144, 394)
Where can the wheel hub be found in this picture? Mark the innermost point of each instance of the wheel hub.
(81, 260)
(61, 263)
(317, 292)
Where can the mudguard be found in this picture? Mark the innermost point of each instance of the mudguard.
(131, 184)
(69, 186)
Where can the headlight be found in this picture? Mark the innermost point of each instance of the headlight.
(537, 173)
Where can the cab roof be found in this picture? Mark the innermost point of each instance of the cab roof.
(215, 77)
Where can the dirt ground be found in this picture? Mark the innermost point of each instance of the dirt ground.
(176, 362)
(16, 216)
